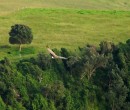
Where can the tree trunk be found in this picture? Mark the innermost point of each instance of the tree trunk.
(20, 47)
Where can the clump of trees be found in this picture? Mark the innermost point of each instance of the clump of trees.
(96, 78)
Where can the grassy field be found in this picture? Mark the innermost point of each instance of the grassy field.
(66, 28)
(7, 6)
(63, 24)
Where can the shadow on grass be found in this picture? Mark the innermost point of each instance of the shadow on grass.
(5, 47)
(12, 52)
(25, 51)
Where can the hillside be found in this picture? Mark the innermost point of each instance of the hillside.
(95, 79)
(93, 36)
(13, 5)
(65, 28)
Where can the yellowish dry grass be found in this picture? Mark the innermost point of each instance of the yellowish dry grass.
(7, 6)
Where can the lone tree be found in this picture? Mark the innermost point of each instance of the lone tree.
(20, 34)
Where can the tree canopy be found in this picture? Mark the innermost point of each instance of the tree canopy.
(20, 34)
(94, 78)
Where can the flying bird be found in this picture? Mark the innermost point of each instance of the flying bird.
(53, 55)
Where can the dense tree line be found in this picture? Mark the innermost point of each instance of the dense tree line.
(96, 78)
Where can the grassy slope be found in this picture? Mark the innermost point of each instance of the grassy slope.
(68, 28)
(7, 6)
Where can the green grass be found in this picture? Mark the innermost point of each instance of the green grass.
(7, 6)
(69, 28)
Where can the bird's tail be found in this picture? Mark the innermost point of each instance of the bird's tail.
(62, 57)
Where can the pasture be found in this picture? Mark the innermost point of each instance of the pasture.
(63, 24)
(8, 6)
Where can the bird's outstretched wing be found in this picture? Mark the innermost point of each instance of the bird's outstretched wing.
(54, 55)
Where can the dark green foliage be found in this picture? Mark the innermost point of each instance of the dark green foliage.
(29, 68)
(94, 79)
(87, 64)
(66, 54)
(106, 47)
(54, 91)
(74, 65)
(38, 102)
(128, 42)
(43, 61)
(3, 87)
(2, 104)
(117, 92)
(20, 34)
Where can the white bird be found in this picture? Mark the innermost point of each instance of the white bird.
(53, 55)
